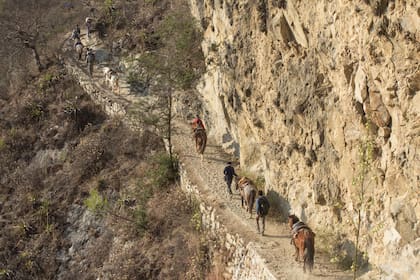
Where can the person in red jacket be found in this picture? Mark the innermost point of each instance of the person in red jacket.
(197, 123)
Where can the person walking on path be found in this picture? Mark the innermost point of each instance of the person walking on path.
(197, 123)
(88, 22)
(229, 172)
(75, 35)
(90, 59)
(262, 206)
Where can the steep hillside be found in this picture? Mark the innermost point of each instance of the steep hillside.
(317, 101)
(81, 195)
(320, 99)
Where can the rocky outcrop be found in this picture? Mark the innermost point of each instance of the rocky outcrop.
(289, 89)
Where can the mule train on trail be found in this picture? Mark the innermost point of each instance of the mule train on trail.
(303, 238)
(248, 193)
(111, 79)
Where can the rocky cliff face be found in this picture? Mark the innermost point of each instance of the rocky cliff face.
(299, 90)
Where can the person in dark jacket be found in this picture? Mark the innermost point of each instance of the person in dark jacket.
(262, 207)
(229, 172)
(88, 23)
(75, 35)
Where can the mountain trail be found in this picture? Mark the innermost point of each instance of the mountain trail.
(274, 247)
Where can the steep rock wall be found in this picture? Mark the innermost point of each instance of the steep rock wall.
(290, 87)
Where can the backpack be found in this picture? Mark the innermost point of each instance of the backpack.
(264, 205)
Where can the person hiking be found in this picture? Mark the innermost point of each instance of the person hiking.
(90, 59)
(197, 123)
(75, 35)
(88, 22)
(229, 172)
(262, 207)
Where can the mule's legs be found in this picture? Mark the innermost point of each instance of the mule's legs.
(263, 225)
(296, 252)
(295, 242)
(197, 146)
(258, 224)
(229, 184)
(90, 69)
(301, 249)
(249, 209)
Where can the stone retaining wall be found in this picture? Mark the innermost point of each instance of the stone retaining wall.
(112, 105)
(240, 258)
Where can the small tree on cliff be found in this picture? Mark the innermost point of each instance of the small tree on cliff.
(25, 25)
(29, 30)
(175, 64)
(360, 183)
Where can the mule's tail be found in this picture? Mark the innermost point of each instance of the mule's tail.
(309, 250)
(203, 136)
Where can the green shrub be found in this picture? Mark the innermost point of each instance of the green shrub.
(45, 81)
(331, 244)
(36, 111)
(95, 202)
(196, 217)
(140, 214)
(108, 3)
(3, 144)
(162, 173)
(165, 170)
(141, 219)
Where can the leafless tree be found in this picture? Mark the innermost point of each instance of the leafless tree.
(29, 30)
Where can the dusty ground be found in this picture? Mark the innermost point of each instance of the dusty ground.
(208, 174)
(274, 246)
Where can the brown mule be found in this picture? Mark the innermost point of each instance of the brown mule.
(304, 240)
(248, 193)
(200, 137)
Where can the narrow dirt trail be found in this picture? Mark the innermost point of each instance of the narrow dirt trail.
(274, 246)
